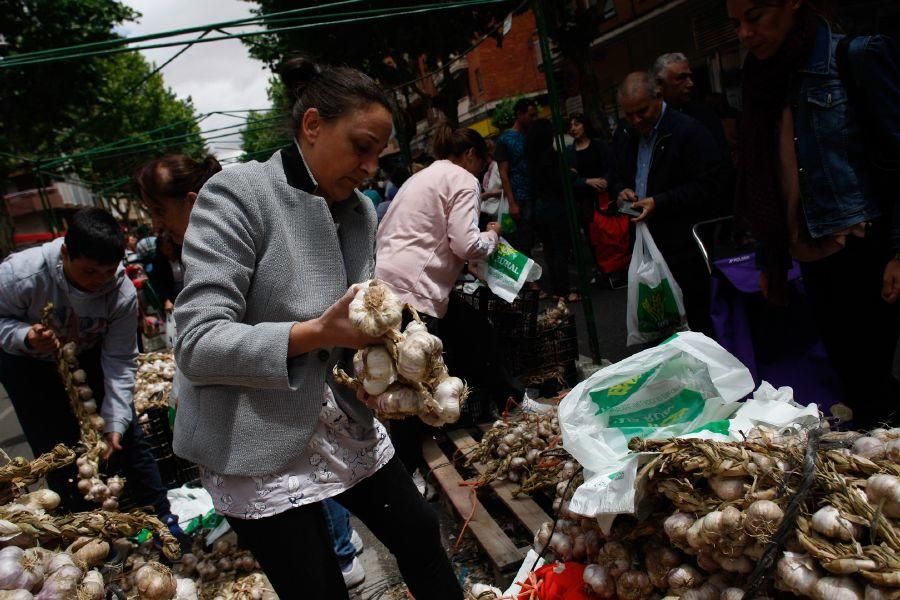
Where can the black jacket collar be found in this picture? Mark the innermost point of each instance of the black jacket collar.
(295, 170)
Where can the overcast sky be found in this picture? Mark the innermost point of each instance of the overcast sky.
(218, 75)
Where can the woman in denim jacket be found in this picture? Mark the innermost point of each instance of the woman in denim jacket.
(819, 133)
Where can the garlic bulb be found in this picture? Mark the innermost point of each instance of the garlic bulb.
(90, 407)
(877, 593)
(90, 551)
(419, 354)
(92, 586)
(762, 518)
(542, 536)
(634, 585)
(561, 546)
(154, 582)
(15, 595)
(732, 593)
(185, 589)
(450, 395)
(375, 368)
(829, 522)
(399, 400)
(599, 582)
(676, 527)
(615, 558)
(837, 588)
(728, 488)
(869, 447)
(893, 451)
(44, 499)
(683, 578)
(374, 310)
(885, 488)
(797, 573)
(20, 569)
(60, 584)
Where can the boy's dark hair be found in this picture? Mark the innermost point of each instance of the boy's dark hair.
(95, 234)
(522, 105)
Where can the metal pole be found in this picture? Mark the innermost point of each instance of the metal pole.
(574, 228)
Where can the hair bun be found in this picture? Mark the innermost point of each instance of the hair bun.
(296, 73)
(211, 165)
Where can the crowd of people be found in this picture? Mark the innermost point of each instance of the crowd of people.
(260, 262)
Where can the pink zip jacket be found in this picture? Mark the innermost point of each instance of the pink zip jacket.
(427, 235)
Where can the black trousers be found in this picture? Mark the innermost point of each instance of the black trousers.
(297, 555)
(43, 409)
(554, 236)
(858, 328)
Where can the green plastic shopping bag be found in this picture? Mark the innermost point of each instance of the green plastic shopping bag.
(655, 302)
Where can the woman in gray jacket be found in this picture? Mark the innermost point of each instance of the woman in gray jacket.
(270, 253)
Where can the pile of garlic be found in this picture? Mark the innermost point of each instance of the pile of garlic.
(553, 317)
(153, 381)
(46, 575)
(525, 448)
(406, 374)
(729, 501)
(91, 425)
(224, 558)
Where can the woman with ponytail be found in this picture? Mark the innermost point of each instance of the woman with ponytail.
(424, 241)
(168, 187)
(271, 258)
(431, 228)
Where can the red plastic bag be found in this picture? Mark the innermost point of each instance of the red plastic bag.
(611, 240)
(555, 581)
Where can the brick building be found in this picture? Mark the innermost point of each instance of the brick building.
(489, 73)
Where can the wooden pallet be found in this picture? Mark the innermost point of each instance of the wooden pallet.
(503, 553)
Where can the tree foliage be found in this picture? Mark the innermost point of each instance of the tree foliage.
(267, 130)
(68, 108)
(390, 49)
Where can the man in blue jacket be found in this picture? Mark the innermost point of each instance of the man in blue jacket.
(95, 306)
(668, 165)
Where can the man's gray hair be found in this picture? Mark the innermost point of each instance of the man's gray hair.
(662, 63)
(638, 83)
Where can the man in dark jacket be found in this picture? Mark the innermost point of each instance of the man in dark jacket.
(668, 165)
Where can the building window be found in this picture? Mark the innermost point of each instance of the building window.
(478, 81)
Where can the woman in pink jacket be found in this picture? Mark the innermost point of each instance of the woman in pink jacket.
(431, 228)
(423, 243)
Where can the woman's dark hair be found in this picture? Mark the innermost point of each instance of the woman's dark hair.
(448, 142)
(174, 176)
(333, 91)
(582, 120)
(538, 141)
(95, 234)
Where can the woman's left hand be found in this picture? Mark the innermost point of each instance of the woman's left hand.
(495, 227)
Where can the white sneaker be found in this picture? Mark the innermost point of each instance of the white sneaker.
(426, 489)
(355, 574)
(357, 542)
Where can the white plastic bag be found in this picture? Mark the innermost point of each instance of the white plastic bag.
(655, 302)
(688, 385)
(506, 271)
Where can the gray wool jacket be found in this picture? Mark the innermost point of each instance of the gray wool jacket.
(262, 252)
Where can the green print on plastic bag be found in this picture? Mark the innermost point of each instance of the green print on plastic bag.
(682, 408)
(607, 399)
(656, 307)
(508, 261)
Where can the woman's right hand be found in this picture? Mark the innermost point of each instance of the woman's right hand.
(332, 329)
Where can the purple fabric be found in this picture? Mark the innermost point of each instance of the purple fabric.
(777, 344)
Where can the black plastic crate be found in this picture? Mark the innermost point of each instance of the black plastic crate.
(174, 470)
(559, 345)
(517, 319)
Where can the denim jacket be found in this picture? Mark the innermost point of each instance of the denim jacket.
(838, 134)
